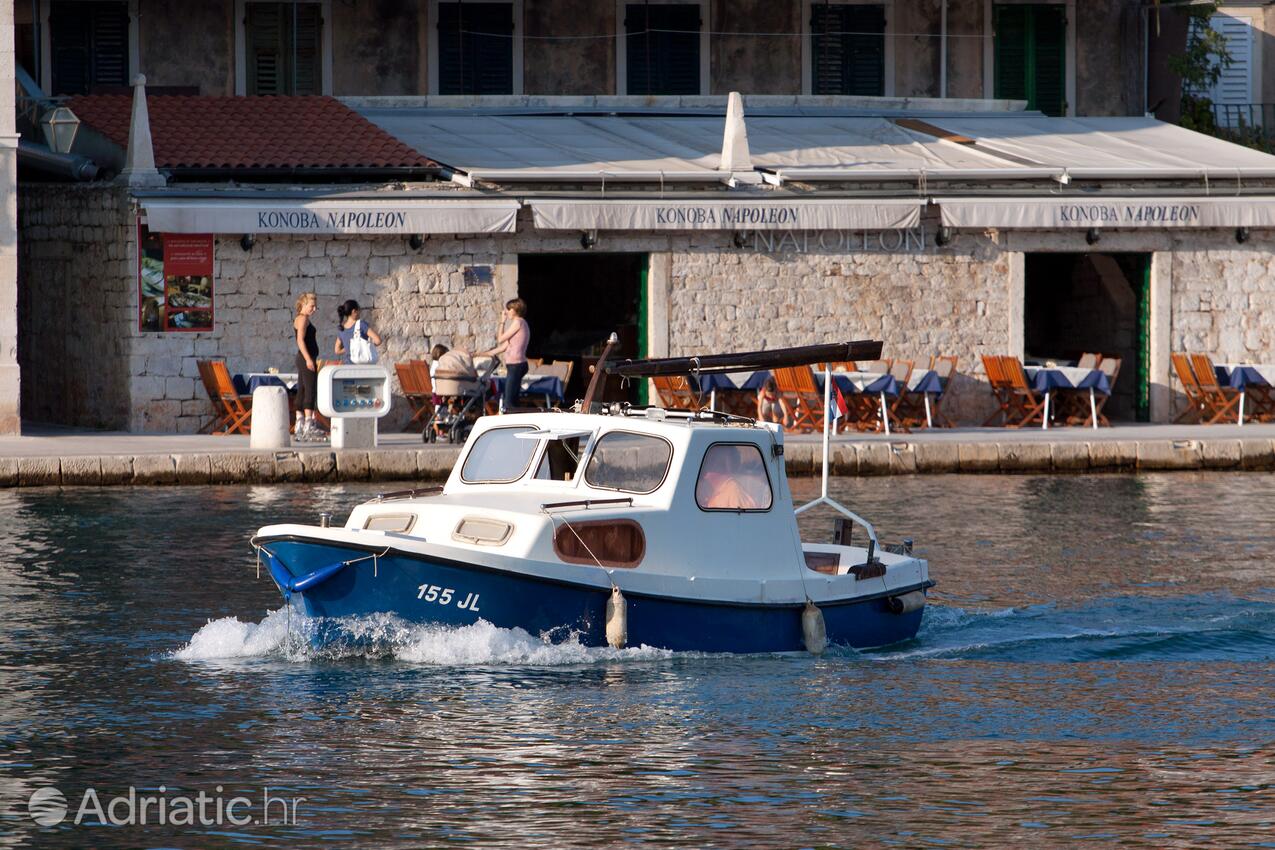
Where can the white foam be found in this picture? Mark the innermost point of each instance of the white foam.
(230, 638)
(386, 636)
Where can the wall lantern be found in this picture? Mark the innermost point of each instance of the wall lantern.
(740, 238)
(943, 236)
(247, 241)
(415, 241)
(60, 126)
(588, 239)
(1241, 235)
(1092, 235)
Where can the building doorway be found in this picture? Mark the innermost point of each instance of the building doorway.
(576, 301)
(1077, 303)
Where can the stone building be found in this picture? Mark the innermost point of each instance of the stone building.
(898, 175)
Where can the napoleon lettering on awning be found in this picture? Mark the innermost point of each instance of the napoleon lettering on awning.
(1114, 215)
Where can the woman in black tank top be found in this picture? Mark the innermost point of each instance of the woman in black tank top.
(307, 344)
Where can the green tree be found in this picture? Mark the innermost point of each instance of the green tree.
(1200, 66)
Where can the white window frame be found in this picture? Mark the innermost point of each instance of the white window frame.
(989, 47)
(45, 72)
(432, 26)
(808, 47)
(241, 45)
(622, 44)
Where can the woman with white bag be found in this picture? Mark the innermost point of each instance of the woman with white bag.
(355, 341)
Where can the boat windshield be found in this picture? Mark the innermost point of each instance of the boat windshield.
(733, 478)
(633, 463)
(498, 457)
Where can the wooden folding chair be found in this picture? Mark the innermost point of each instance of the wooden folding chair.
(1089, 360)
(418, 395)
(1000, 388)
(675, 392)
(1110, 367)
(796, 385)
(908, 408)
(232, 411)
(560, 369)
(1026, 407)
(1190, 388)
(1219, 401)
(944, 366)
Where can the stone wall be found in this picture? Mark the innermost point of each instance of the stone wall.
(577, 64)
(743, 61)
(77, 294)
(1223, 299)
(195, 47)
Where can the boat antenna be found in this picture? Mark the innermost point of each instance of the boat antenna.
(599, 370)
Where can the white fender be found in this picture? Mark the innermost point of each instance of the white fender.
(813, 631)
(617, 620)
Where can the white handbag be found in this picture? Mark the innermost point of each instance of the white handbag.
(361, 348)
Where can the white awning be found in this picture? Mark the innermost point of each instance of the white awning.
(787, 214)
(364, 216)
(1114, 213)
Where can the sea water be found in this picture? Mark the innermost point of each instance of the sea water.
(1097, 665)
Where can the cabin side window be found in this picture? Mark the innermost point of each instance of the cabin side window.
(629, 462)
(733, 477)
(498, 457)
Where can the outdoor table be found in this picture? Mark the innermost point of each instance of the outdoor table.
(549, 386)
(1241, 376)
(1047, 379)
(726, 381)
(249, 381)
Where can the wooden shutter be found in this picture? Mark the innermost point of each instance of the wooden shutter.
(1010, 28)
(848, 44)
(284, 48)
(264, 26)
(1049, 34)
(662, 54)
(475, 48)
(303, 41)
(89, 46)
(1031, 56)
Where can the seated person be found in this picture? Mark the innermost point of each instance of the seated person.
(771, 406)
(728, 482)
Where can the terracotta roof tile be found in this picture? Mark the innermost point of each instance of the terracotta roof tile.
(251, 132)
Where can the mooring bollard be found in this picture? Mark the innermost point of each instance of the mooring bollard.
(269, 429)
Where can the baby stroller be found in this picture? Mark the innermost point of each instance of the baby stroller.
(462, 395)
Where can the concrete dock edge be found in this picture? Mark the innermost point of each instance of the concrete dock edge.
(898, 457)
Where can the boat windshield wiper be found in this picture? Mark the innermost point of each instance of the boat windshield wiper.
(407, 494)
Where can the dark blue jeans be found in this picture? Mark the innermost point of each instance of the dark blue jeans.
(514, 373)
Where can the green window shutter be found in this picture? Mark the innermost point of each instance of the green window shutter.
(662, 54)
(475, 48)
(89, 44)
(1031, 56)
(264, 23)
(304, 43)
(848, 44)
(1011, 48)
(1050, 37)
(284, 48)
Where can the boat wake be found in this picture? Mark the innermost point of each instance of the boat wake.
(290, 636)
(1203, 627)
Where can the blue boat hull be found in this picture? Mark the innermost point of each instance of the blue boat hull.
(429, 590)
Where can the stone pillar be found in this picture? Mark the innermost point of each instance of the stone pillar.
(9, 376)
(1017, 285)
(1159, 343)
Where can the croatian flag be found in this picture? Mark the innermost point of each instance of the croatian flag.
(839, 406)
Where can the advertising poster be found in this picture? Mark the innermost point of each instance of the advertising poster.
(174, 281)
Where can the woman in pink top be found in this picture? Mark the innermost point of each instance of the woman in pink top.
(513, 342)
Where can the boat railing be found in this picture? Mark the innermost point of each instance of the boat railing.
(586, 503)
